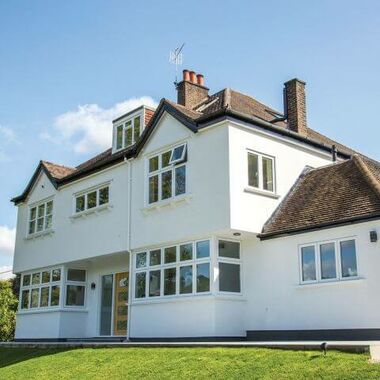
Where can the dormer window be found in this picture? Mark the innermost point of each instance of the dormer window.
(128, 133)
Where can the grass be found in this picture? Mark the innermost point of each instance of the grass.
(183, 363)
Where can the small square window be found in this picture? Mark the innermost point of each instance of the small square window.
(203, 249)
(26, 280)
(165, 159)
(229, 249)
(141, 260)
(153, 164)
(45, 277)
(76, 275)
(155, 257)
(36, 278)
(178, 154)
(186, 252)
(170, 255)
(56, 275)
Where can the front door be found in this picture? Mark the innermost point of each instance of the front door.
(114, 304)
(120, 315)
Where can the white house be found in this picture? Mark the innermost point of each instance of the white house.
(215, 217)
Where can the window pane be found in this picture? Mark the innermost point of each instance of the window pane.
(155, 257)
(33, 213)
(348, 258)
(170, 255)
(40, 224)
(165, 158)
(56, 275)
(45, 296)
(76, 275)
(103, 195)
(328, 269)
(180, 180)
(34, 297)
(75, 295)
(54, 296)
(186, 279)
(229, 249)
(267, 174)
(119, 137)
(203, 249)
(36, 277)
(141, 260)
(169, 281)
(32, 227)
(49, 207)
(48, 221)
(153, 164)
(136, 126)
(178, 152)
(253, 170)
(186, 252)
(79, 203)
(128, 134)
(45, 277)
(203, 277)
(25, 299)
(106, 305)
(41, 210)
(229, 277)
(91, 199)
(154, 283)
(308, 264)
(166, 184)
(153, 189)
(26, 280)
(140, 285)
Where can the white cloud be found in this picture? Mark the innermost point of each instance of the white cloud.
(89, 127)
(7, 241)
(6, 272)
(7, 136)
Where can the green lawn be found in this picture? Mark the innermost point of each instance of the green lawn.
(186, 363)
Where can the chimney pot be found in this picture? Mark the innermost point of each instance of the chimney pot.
(193, 77)
(201, 80)
(186, 75)
(295, 107)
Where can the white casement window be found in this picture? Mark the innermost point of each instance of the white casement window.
(128, 133)
(261, 172)
(167, 174)
(229, 265)
(40, 217)
(75, 287)
(178, 270)
(328, 261)
(92, 199)
(40, 289)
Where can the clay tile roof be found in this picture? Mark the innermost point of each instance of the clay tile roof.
(327, 196)
(57, 171)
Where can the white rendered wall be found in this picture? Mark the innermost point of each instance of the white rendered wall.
(276, 300)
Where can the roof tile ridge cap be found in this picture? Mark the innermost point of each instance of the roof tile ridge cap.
(371, 179)
(227, 98)
(305, 171)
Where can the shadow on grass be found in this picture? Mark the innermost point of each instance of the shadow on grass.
(11, 356)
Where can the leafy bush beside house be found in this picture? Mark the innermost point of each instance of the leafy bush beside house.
(8, 308)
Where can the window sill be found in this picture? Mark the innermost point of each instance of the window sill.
(167, 203)
(36, 235)
(174, 298)
(50, 310)
(95, 210)
(322, 284)
(268, 194)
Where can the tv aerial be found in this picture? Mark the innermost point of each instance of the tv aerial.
(176, 58)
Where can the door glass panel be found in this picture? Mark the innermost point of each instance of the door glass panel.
(106, 305)
(121, 303)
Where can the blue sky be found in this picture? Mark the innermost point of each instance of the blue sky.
(68, 67)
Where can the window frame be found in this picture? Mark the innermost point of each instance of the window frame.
(36, 205)
(85, 193)
(177, 265)
(260, 157)
(68, 282)
(229, 260)
(125, 125)
(338, 264)
(173, 166)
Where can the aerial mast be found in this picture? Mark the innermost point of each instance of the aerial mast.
(176, 58)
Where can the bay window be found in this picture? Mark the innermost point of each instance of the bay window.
(40, 217)
(229, 266)
(328, 261)
(167, 174)
(182, 269)
(261, 172)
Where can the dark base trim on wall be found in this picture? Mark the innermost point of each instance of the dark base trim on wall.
(299, 335)
(192, 339)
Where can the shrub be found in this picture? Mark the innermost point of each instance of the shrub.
(8, 308)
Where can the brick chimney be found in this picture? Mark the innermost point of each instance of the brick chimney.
(191, 91)
(295, 106)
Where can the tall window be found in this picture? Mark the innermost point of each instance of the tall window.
(261, 172)
(328, 261)
(128, 133)
(229, 266)
(92, 199)
(40, 217)
(182, 269)
(167, 174)
(75, 287)
(40, 289)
